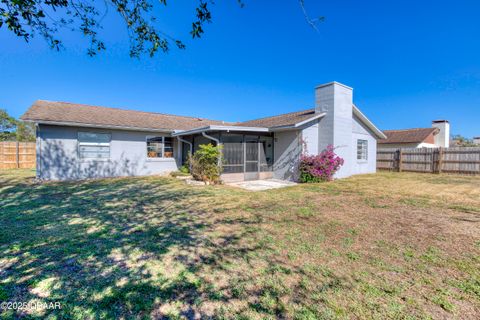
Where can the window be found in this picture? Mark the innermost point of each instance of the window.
(93, 145)
(159, 147)
(362, 149)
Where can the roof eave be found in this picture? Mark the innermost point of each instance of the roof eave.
(99, 126)
(218, 128)
(368, 123)
(298, 124)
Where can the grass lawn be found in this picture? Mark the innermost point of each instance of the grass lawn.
(390, 245)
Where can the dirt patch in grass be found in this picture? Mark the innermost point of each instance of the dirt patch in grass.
(377, 246)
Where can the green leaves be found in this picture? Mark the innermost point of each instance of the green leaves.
(47, 17)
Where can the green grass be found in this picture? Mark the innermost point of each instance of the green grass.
(377, 246)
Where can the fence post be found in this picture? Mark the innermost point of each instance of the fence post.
(17, 151)
(440, 160)
(400, 159)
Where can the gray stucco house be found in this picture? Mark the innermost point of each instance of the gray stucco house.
(78, 141)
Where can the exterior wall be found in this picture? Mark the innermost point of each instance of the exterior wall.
(359, 131)
(336, 127)
(310, 139)
(57, 152)
(287, 151)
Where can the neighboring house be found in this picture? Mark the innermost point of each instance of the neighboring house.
(476, 140)
(435, 137)
(79, 141)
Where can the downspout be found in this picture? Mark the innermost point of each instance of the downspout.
(38, 151)
(219, 162)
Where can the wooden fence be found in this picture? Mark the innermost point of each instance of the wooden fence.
(430, 160)
(17, 155)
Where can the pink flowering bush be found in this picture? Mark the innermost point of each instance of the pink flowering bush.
(320, 167)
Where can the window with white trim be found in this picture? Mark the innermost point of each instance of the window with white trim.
(362, 149)
(94, 145)
(159, 147)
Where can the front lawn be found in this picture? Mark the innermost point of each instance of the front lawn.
(391, 245)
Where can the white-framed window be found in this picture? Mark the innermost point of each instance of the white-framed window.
(159, 147)
(362, 149)
(94, 145)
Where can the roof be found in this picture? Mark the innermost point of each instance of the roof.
(281, 120)
(71, 113)
(416, 135)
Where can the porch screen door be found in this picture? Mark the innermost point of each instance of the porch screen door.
(251, 160)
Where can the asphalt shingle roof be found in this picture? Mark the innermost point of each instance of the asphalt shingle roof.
(71, 113)
(417, 135)
(65, 112)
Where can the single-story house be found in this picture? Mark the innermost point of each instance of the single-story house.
(435, 137)
(80, 141)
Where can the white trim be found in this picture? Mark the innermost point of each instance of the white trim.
(368, 123)
(332, 83)
(219, 128)
(101, 126)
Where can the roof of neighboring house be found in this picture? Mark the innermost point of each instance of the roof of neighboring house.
(71, 113)
(417, 135)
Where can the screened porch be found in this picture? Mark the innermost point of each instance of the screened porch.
(246, 155)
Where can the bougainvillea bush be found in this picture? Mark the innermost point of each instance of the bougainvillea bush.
(321, 167)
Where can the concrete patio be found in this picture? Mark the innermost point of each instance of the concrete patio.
(260, 185)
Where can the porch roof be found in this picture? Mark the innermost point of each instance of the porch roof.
(238, 128)
(219, 128)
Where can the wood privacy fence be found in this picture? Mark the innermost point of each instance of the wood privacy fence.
(430, 160)
(17, 155)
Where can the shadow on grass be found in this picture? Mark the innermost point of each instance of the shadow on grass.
(109, 248)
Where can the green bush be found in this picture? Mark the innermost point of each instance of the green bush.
(205, 164)
(184, 169)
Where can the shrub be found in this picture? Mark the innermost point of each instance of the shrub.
(184, 169)
(204, 164)
(322, 167)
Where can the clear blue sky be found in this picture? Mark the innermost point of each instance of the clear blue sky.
(409, 62)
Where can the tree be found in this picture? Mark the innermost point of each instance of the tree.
(25, 131)
(460, 141)
(12, 129)
(7, 126)
(46, 17)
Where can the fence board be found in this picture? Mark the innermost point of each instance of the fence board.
(17, 155)
(430, 160)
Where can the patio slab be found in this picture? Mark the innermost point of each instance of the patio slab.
(260, 185)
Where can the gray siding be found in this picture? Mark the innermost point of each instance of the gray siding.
(287, 152)
(57, 155)
(312, 139)
(361, 166)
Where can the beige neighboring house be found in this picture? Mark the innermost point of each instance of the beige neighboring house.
(476, 140)
(435, 137)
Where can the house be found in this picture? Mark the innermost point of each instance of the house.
(435, 137)
(476, 140)
(79, 141)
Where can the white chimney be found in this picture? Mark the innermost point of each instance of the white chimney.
(336, 100)
(442, 139)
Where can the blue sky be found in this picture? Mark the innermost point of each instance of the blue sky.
(409, 62)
